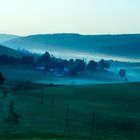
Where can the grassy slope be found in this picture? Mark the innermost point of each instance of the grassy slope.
(12, 52)
(8, 51)
(116, 108)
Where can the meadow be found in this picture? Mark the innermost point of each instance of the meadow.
(48, 111)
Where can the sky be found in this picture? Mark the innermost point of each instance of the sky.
(24, 17)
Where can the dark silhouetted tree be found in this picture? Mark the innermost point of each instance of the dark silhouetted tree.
(66, 63)
(76, 66)
(46, 58)
(92, 65)
(71, 63)
(55, 64)
(28, 60)
(104, 64)
(71, 67)
(80, 65)
(4, 60)
(13, 60)
(2, 79)
(122, 73)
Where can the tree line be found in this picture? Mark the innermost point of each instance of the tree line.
(10, 60)
(50, 62)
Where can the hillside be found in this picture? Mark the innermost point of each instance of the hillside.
(127, 46)
(7, 37)
(9, 51)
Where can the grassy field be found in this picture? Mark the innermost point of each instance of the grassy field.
(103, 111)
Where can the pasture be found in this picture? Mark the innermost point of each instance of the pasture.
(47, 111)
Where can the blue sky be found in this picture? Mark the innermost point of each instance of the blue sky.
(24, 17)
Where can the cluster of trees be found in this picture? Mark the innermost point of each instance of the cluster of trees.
(49, 62)
(74, 66)
(79, 65)
(10, 60)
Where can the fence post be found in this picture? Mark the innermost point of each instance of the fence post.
(42, 96)
(67, 116)
(93, 123)
(52, 104)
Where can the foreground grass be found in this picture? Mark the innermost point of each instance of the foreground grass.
(66, 112)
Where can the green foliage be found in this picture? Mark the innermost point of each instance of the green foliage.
(28, 60)
(76, 66)
(104, 64)
(45, 59)
(92, 65)
(2, 79)
(122, 72)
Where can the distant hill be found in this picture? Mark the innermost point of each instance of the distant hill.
(10, 52)
(7, 37)
(127, 46)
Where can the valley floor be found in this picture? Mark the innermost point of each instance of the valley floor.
(76, 112)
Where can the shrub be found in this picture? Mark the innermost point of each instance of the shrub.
(2, 79)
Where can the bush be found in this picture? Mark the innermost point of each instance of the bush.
(2, 79)
(122, 73)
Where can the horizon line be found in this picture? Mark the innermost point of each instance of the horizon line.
(74, 33)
